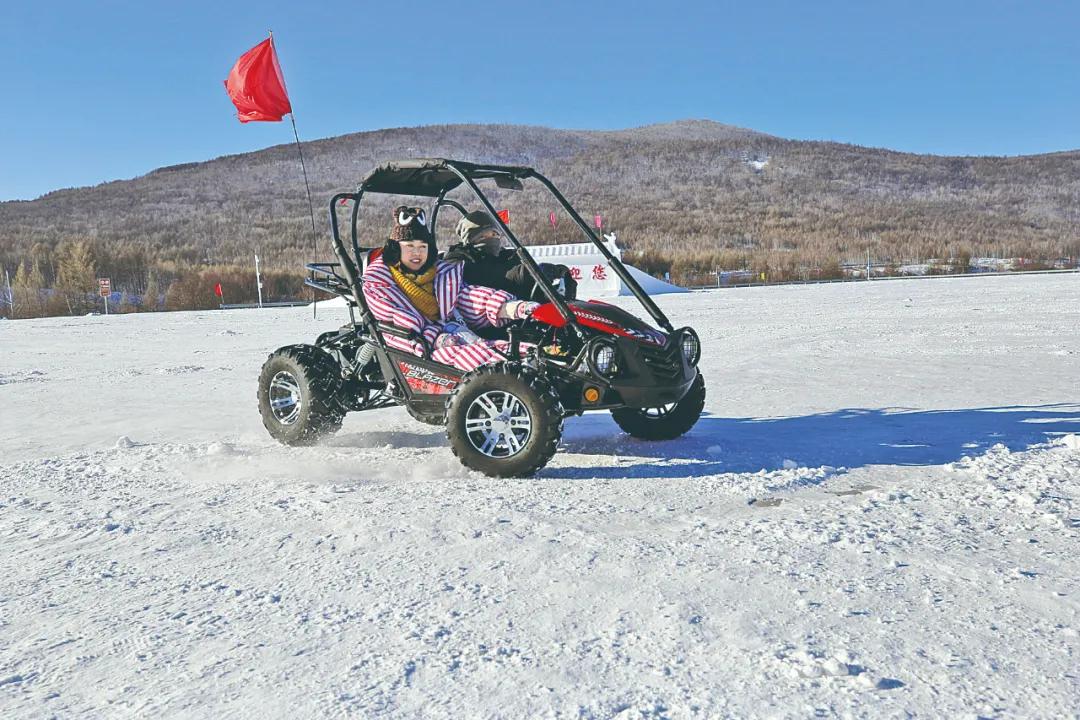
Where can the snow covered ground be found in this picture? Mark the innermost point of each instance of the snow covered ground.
(879, 516)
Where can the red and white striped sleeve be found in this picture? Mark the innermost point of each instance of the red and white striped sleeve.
(386, 308)
(479, 305)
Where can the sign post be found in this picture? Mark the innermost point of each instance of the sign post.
(105, 289)
(258, 279)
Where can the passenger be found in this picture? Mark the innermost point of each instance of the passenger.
(408, 287)
(487, 263)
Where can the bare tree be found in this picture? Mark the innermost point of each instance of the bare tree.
(75, 276)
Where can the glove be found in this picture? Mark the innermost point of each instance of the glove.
(455, 334)
(464, 252)
(558, 276)
(517, 309)
(565, 282)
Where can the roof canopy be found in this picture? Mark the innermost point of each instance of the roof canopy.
(431, 176)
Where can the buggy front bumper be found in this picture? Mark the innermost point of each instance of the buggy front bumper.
(649, 376)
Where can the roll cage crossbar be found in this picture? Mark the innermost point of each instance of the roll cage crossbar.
(434, 178)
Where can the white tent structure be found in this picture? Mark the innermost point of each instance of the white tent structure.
(594, 275)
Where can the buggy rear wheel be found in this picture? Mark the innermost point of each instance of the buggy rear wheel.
(504, 420)
(298, 395)
(666, 422)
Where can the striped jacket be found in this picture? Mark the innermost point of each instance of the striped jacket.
(476, 305)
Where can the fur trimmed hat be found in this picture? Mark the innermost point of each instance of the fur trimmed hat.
(409, 226)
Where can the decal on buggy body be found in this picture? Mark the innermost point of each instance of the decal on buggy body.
(602, 323)
(653, 337)
(426, 382)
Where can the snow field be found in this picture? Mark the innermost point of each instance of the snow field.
(877, 517)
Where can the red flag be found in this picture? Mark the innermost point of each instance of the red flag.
(217, 291)
(598, 221)
(554, 220)
(256, 86)
(504, 215)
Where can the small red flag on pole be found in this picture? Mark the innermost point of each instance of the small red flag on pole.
(256, 86)
(554, 220)
(217, 291)
(598, 221)
(504, 215)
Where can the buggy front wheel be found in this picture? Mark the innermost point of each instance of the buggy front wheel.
(666, 422)
(504, 420)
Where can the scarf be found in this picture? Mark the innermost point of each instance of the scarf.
(420, 289)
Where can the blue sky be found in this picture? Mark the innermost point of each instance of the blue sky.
(98, 91)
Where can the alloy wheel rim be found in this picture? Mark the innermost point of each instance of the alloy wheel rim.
(285, 398)
(498, 424)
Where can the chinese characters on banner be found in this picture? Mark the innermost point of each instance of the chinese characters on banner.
(598, 272)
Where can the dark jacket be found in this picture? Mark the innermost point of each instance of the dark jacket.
(505, 272)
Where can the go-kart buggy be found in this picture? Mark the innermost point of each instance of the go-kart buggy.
(503, 419)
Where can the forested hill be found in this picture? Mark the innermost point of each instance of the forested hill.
(696, 194)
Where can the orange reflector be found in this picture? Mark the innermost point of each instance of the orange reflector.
(592, 394)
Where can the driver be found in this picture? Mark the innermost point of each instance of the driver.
(486, 263)
(408, 287)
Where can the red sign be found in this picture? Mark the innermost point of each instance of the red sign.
(104, 287)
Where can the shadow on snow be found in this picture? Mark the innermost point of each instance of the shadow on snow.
(848, 438)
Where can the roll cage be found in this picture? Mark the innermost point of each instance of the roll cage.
(434, 178)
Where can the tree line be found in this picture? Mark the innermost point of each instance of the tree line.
(65, 282)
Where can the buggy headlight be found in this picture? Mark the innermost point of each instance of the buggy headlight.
(691, 346)
(602, 358)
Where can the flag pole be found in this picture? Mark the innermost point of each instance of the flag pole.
(258, 279)
(311, 211)
(307, 187)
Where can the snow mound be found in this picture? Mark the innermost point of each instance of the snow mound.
(650, 284)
